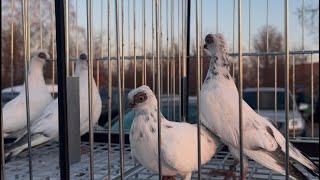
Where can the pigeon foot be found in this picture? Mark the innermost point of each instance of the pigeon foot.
(168, 178)
(228, 174)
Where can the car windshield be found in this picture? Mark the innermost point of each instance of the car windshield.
(114, 98)
(128, 117)
(8, 96)
(266, 100)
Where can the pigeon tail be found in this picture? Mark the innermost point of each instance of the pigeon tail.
(276, 161)
(310, 166)
(21, 144)
(296, 154)
(187, 176)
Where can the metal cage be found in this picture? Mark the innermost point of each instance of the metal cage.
(156, 43)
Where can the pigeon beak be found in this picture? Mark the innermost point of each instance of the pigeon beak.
(131, 104)
(206, 50)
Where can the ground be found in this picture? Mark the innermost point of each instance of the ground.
(46, 165)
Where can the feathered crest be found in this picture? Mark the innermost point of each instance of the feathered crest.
(221, 46)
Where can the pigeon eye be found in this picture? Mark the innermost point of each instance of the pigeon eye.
(83, 56)
(42, 55)
(141, 97)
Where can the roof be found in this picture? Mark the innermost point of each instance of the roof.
(19, 88)
(266, 89)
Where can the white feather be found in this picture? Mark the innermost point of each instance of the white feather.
(178, 140)
(47, 124)
(219, 106)
(14, 112)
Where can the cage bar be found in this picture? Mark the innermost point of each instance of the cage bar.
(293, 93)
(62, 91)
(26, 44)
(2, 163)
(101, 44)
(249, 26)
(109, 94)
(173, 62)
(152, 47)
(233, 36)
(40, 26)
(158, 31)
(201, 42)
(185, 100)
(77, 34)
(312, 100)
(217, 16)
(168, 57)
(198, 92)
(11, 44)
(258, 84)
(240, 86)
(119, 89)
(134, 44)
(66, 2)
(90, 76)
(275, 91)
(179, 61)
(286, 41)
(122, 55)
(144, 69)
(53, 50)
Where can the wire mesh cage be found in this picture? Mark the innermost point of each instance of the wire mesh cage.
(113, 47)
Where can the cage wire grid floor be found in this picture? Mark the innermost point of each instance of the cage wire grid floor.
(46, 165)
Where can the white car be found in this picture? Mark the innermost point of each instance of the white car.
(267, 108)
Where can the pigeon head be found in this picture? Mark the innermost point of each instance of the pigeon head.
(82, 62)
(142, 97)
(40, 57)
(217, 49)
(83, 57)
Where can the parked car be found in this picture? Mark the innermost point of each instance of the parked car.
(167, 111)
(317, 111)
(10, 93)
(267, 108)
(114, 104)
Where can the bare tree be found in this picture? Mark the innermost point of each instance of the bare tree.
(309, 15)
(43, 18)
(266, 65)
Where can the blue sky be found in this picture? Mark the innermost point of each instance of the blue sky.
(225, 19)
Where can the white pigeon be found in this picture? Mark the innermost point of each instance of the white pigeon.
(46, 127)
(14, 112)
(178, 139)
(219, 107)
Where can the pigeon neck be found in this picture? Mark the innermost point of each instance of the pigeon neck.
(35, 66)
(81, 69)
(219, 67)
(150, 116)
(77, 71)
(35, 70)
(35, 76)
(82, 72)
(151, 110)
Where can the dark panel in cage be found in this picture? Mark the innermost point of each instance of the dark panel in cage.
(73, 119)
